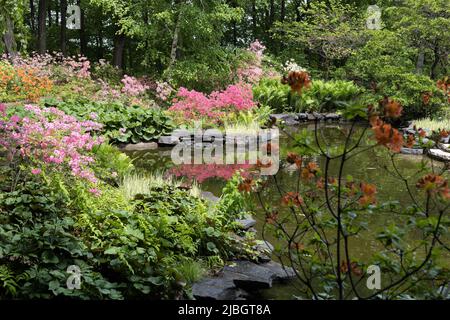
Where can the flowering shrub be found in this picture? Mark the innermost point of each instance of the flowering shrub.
(50, 139)
(163, 90)
(22, 82)
(133, 86)
(252, 71)
(195, 105)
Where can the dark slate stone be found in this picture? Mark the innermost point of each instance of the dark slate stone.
(168, 140)
(246, 223)
(251, 276)
(302, 116)
(217, 288)
(332, 116)
(142, 146)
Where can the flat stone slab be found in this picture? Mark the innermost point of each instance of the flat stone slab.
(251, 276)
(142, 146)
(246, 223)
(412, 151)
(438, 154)
(168, 140)
(218, 288)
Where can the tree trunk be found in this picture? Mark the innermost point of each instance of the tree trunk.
(119, 46)
(176, 34)
(83, 40)
(42, 32)
(63, 31)
(32, 17)
(420, 62)
(9, 39)
(433, 74)
(254, 19)
(283, 10)
(49, 14)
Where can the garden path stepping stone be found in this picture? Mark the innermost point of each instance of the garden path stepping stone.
(168, 140)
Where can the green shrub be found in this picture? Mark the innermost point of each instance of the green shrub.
(322, 96)
(152, 245)
(121, 124)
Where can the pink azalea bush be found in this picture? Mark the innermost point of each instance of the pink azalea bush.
(195, 105)
(133, 86)
(56, 65)
(252, 71)
(49, 139)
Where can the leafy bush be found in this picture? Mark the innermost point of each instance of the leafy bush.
(322, 96)
(22, 83)
(121, 124)
(151, 245)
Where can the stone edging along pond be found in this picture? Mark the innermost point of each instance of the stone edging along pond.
(438, 153)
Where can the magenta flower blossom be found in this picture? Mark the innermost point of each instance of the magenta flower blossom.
(195, 104)
(36, 171)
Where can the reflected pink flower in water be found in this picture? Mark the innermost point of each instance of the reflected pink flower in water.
(202, 172)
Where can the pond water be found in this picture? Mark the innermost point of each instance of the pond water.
(368, 166)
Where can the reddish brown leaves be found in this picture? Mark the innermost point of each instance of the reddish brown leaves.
(297, 80)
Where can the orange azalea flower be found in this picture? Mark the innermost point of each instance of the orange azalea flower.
(310, 171)
(297, 80)
(272, 217)
(292, 198)
(246, 185)
(389, 137)
(369, 191)
(392, 109)
(297, 246)
(433, 183)
(410, 141)
(426, 96)
(294, 158)
(422, 133)
(354, 268)
(260, 165)
(444, 133)
(320, 183)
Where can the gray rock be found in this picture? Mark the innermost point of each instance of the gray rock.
(168, 140)
(439, 155)
(209, 196)
(332, 116)
(251, 276)
(445, 140)
(246, 223)
(218, 288)
(142, 146)
(287, 118)
(412, 151)
(302, 116)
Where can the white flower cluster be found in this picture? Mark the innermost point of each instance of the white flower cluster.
(291, 65)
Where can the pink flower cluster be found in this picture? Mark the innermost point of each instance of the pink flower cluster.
(195, 104)
(133, 86)
(163, 90)
(252, 71)
(50, 65)
(51, 139)
(203, 172)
